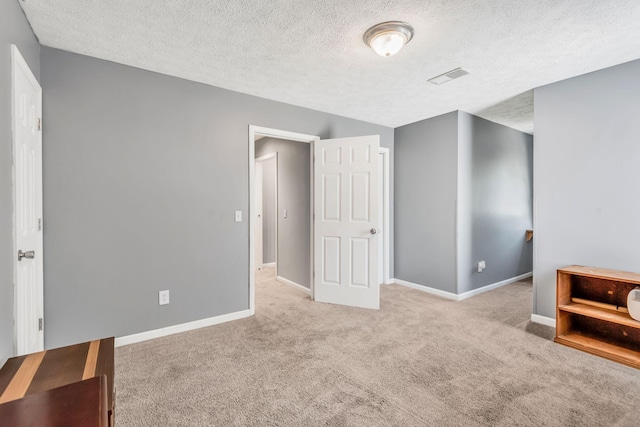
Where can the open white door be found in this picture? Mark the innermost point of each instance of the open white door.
(27, 161)
(346, 221)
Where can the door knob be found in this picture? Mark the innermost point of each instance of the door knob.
(27, 255)
(373, 231)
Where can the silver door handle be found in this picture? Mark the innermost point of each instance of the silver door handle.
(27, 255)
(373, 231)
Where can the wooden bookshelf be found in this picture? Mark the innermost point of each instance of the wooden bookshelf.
(598, 323)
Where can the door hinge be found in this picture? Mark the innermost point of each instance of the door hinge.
(39, 224)
(40, 324)
(39, 123)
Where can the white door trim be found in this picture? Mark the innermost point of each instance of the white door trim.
(20, 67)
(280, 134)
(386, 278)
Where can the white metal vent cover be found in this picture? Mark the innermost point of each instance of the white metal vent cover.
(448, 76)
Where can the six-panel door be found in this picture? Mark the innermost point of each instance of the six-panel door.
(346, 221)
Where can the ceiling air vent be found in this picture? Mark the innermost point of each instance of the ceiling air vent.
(448, 76)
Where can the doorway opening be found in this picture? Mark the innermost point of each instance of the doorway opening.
(283, 211)
(260, 166)
(256, 134)
(266, 210)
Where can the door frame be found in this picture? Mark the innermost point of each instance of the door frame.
(261, 159)
(386, 269)
(290, 136)
(19, 65)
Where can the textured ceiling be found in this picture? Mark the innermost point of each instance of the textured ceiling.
(310, 53)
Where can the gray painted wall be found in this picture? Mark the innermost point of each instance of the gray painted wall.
(294, 245)
(463, 189)
(14, 29)
(496, 167)
(425, 202)
(586, 172)
(269, 214)
(142, 174)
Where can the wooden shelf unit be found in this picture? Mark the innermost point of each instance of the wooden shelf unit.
(604, 332)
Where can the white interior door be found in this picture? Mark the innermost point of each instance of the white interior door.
(258, 212)
(346, 221)
(27, 160)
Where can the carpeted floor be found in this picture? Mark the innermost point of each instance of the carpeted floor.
(419, 361)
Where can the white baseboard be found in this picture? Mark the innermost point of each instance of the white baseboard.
(464, 295)
(294, 284)
(427, 289)
(268, 264)
(547, 321)
(492, 286)
(189, 326)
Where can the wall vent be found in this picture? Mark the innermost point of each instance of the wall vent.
(448, 76)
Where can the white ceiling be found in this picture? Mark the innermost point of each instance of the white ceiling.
(310, 52)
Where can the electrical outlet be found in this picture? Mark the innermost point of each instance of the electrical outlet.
(163, 297)
(481, 266)
(238, 216)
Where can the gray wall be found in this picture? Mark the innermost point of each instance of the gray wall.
(587, 177)
(425, 202)
(14, 29)
(496, 167)
(269, 214)
(142, 174)
(463, 189)
(294, 245)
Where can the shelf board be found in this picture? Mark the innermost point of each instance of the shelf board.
(601, 314)
(601, 348)
(601, 273)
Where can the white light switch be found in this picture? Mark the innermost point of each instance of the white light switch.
(238, 216)
(285, 213)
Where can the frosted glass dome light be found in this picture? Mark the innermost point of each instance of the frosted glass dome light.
(387, 38)
(388, 44)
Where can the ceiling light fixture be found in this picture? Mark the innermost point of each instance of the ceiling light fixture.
(387, 38)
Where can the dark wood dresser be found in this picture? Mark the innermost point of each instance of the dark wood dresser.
(79, 404)
(46, 370)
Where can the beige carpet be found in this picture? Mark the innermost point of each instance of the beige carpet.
(418, 361)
